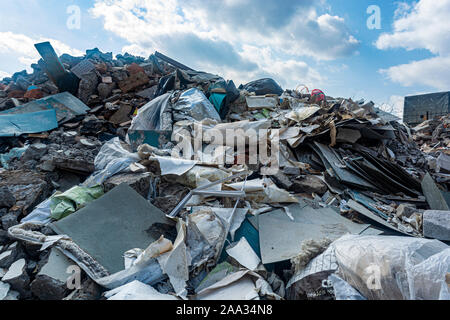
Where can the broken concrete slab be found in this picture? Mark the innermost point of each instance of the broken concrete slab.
(436, 225)
(434, 196)
(13, 253)
(35, 152)
(29, 188)
(18, 278)
(89, 291)
(112, 225)
(134, 81)
(51, 281)
(7, 258)
(309, 184)
(348, 135)
(281, 237)
(7, 199)
(10, 219)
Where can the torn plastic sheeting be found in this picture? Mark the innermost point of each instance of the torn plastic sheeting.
(241, 285)
(148, 267)
(149, 116)
(72, 200)
(66, 106)
(244, 254)
(407, 268)
(136, 290)
(176, 262)
(236, 286)
(145, 268)
(41, 214)
(213, 228)
(14, 153)
(264, 191)
(234, 221)
(174, 166)
(302, 114)
(12, 125)
(111, 160)
(310, 278)
(194, 106)
(199, 176)
(344, 291)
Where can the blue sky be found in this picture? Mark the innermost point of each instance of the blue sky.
(323, 44)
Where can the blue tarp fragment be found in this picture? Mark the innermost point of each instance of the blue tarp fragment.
(66, 105)
(12, 125)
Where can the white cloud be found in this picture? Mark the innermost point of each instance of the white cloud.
(216, 35)
(433, 72)
(23, 47)
(4, 74)
(425, 25)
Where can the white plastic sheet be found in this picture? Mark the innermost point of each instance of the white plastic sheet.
(394, 268)
(136, 290)
(111, 160)
(41, 214)
(194, 106)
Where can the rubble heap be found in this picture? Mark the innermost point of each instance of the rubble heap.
(101, 171)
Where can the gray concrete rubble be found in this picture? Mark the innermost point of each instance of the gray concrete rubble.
(51, 281)
(158, 181)
(18, 278)
(436, 225)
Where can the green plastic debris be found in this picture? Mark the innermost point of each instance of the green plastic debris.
(218, 273)
(64, 204)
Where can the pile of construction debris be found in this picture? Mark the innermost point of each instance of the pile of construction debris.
(103, 175)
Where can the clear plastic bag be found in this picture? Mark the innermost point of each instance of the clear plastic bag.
(394, 268)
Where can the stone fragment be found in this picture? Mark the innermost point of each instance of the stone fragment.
(29, 188)
(7, 199)
(405, 210)
(35, 152)
(140, 182)
(11, 219)
(51, 281)
(309, 184)
(436, 225)
(18, 278)
(134, 81)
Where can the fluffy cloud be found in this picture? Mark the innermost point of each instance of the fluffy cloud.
(216, 35)
(4, 74)
(433, 72)
(23, 47)
(425, 25)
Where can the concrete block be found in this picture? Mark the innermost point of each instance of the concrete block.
(51, 281)
(436, 225)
